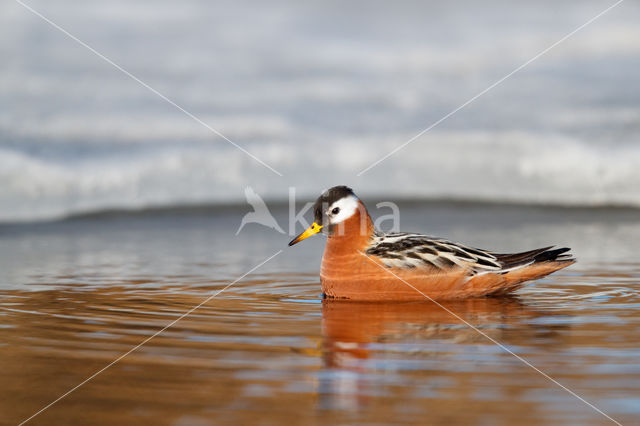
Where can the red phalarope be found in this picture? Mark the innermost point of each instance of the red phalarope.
(362, 263)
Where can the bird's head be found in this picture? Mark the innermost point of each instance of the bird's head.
(332, 208)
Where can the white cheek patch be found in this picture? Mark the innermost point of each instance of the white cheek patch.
(348, 207)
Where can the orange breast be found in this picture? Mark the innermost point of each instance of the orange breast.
(347, 273)
(358, 278)
(354, 276)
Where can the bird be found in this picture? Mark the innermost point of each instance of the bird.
(260, 213)
(363, 263)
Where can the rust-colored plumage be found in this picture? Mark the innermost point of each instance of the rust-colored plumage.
(360, 263)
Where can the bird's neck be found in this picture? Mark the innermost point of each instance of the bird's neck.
(353, 234)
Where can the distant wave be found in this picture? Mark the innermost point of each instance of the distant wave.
(509, 167)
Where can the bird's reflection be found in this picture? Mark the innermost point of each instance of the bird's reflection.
(363, 339)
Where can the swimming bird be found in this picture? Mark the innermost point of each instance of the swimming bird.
(362, 263)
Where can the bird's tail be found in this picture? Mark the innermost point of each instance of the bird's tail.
(510, 261)
(531, 265)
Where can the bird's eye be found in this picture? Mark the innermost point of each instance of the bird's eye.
(335, 210)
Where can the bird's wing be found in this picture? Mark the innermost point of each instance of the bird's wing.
(408, 251)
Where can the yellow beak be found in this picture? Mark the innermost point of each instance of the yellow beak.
(312, 230)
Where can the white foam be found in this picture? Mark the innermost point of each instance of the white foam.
(505, 167)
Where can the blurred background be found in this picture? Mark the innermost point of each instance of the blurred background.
(318, 91)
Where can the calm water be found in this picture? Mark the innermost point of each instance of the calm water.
(75, 295)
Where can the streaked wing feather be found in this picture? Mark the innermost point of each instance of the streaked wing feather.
(406, 250)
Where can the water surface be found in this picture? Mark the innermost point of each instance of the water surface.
(77, 294)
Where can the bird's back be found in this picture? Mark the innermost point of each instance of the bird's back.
(407, 266)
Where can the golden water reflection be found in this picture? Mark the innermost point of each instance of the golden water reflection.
(252, 356)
